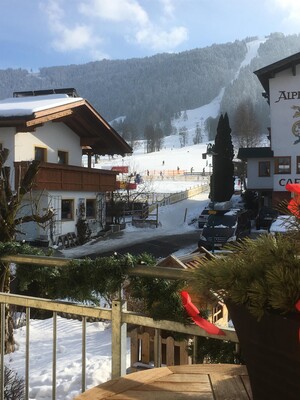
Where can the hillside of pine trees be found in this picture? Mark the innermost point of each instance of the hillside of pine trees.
(150, 91)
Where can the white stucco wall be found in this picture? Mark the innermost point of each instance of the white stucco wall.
(285, 115)
(255, 181)
(7, 139)
(54, 136)
(45, 200)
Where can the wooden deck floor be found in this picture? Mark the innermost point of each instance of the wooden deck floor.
(182, 382)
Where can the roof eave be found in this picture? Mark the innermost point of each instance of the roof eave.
(266, 73)
(83, 119)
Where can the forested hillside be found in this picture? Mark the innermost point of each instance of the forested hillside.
(154, 89)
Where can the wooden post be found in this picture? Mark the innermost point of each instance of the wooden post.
(157, 348)
(185, 215)
(118, 340)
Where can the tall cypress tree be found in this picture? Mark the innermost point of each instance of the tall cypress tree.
(222, 180)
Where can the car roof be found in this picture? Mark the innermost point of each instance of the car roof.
(283, 223)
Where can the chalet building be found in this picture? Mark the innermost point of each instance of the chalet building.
(57, 127)
(269, 169)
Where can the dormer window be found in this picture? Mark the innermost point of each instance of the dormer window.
(40, 154)
(62, 157)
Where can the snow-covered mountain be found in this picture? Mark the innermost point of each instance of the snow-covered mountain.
(190, 118)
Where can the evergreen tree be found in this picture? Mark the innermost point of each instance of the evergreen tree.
(167, 127)
(183, 136)
(198, 134)
(149, 135)
(211, 127)
(222, 179)
(158, 138)
(246, 127)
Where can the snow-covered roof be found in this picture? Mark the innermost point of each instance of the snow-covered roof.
(27, 112)
(21, 106)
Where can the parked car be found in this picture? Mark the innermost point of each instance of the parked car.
(221, 208)
(284, 224)
(265, 217)
(224, 228)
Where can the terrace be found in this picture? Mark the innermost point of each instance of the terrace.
(174, 382)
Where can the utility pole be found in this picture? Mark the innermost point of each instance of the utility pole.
(210, 151)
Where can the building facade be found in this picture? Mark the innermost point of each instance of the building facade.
(57, 129)
(269, 169)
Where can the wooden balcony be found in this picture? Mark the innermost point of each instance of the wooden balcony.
(69, 178)
(181, 382)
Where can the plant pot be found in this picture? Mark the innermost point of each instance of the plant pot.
(271, 351)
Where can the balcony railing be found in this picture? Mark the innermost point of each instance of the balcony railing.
(118, 315)
(68, 177)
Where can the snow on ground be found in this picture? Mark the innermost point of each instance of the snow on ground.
(172, 221)
(168, 158)
(99, 334)
(98, 357)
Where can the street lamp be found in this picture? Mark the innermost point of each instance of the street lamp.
(210, 151)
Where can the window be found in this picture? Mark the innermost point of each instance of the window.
(90, 208)
(62, 157)
(282, 165)
(264, 168)
(298, 165)
(67, 209)
(40, 153)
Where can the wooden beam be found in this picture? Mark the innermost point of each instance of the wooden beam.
(54, 110)
(49, 117)
(88, 141)
(23, 128)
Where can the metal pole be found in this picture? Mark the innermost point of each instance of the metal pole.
(2, 383)
(27, 353)
(83, 373)
(54, 355)
(213, 201)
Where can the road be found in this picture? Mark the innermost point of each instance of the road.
(159, 247)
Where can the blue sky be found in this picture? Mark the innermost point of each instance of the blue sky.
(42, 33)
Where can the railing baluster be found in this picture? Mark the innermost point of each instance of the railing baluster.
(118, 316)
(54, 355)
(118, 340)
(27, 353)
(2, 350)
(157, 348)
(83, 362)
(195, 343)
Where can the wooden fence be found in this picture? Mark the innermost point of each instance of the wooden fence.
(143, 350)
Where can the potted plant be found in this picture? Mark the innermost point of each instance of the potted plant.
(259, 281)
